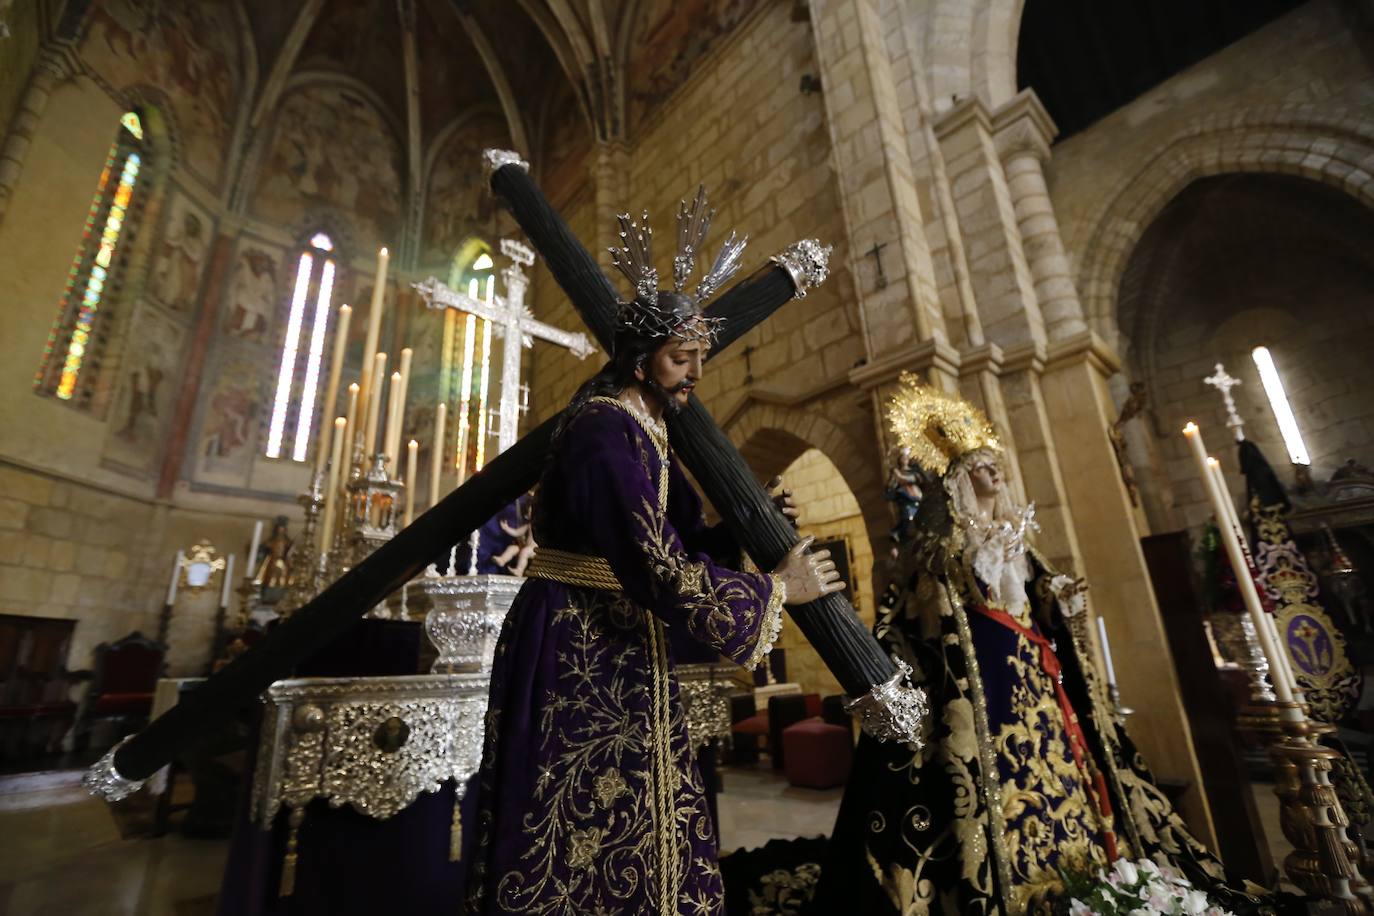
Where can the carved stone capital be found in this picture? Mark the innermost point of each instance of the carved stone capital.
(1022, 127)
(919, 357)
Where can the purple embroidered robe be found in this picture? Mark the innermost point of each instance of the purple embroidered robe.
(589, 799)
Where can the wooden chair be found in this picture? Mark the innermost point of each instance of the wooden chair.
(126, 673)
(35, 709)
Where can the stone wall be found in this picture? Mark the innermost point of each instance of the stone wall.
(1283, 100)
(69, 549)
(1233, 263)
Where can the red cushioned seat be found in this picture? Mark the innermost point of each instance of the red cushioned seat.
(756, 724)
(123, 704)
(816, 754)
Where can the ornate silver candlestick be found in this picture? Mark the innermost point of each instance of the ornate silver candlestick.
(304, 573)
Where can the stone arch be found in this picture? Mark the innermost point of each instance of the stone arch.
(971, 49)
(260, 142)
(772, 436)
(996, 32)
(1331, 148)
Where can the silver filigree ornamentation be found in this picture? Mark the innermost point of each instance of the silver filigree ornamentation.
(894, 710)
(807, 262)
(103, 781)
(705, 690)
(634, 258)
(321, 740)
(495, 159)
(465, 617)
(726, 265)
(643, 314)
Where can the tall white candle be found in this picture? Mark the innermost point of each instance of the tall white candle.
(331, 392)
(250, 569)
(393, 425)
(228, 577)
(412, 457)
(374, 407)
(436, 457)
(1285, 663)
(331, 493)
(374, 313)
(1237, 558)
(176, 574)
(406, 355)
(1106, 650)
(350, 422)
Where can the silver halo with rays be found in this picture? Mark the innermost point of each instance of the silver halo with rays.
(644, 314)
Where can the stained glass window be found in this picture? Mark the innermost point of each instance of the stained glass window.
(298, 373)
(76, 343)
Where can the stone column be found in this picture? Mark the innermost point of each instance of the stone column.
(1010, 318)
(1024, 132)
(49, 69)
(216, 276)
(1075, 409)
(611, 181)
(1001, 278)
(900, 306)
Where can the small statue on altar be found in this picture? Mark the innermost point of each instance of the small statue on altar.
(273, 562)
(516, 527)
(904, 492)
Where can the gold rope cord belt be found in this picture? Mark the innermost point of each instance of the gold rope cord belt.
(573, 569)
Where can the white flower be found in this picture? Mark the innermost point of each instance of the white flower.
(1194, 903)
(1148, 867)
(1125, 871)
(1079, 908)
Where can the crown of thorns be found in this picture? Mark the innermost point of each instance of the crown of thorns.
(642, 313)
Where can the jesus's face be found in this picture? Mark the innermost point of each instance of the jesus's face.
(674, 370)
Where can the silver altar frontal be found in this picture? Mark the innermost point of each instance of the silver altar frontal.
(377, 743)
(373, 743)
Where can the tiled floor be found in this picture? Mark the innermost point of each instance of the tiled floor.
(758, 805)
(63, 856)
(61, 853)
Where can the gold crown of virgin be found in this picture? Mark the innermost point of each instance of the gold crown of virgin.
(935, 428)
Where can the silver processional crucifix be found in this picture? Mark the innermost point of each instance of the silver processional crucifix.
(513, 321)
(1223, 381)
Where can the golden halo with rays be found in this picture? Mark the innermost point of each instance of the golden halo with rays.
(936, 428)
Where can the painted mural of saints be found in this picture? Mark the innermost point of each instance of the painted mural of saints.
(253, 296)
(231, 417)
(177, 272)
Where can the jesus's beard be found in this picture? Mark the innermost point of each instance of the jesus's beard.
(667, 396)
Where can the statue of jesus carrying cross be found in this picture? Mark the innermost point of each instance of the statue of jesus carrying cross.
(712, 603)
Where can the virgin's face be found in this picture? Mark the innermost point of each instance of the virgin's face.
(986, 478)
(676, 367)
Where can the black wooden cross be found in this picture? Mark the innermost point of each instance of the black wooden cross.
(831, 624)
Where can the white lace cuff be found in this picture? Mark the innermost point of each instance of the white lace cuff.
(770, 627)
(1071, 594)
